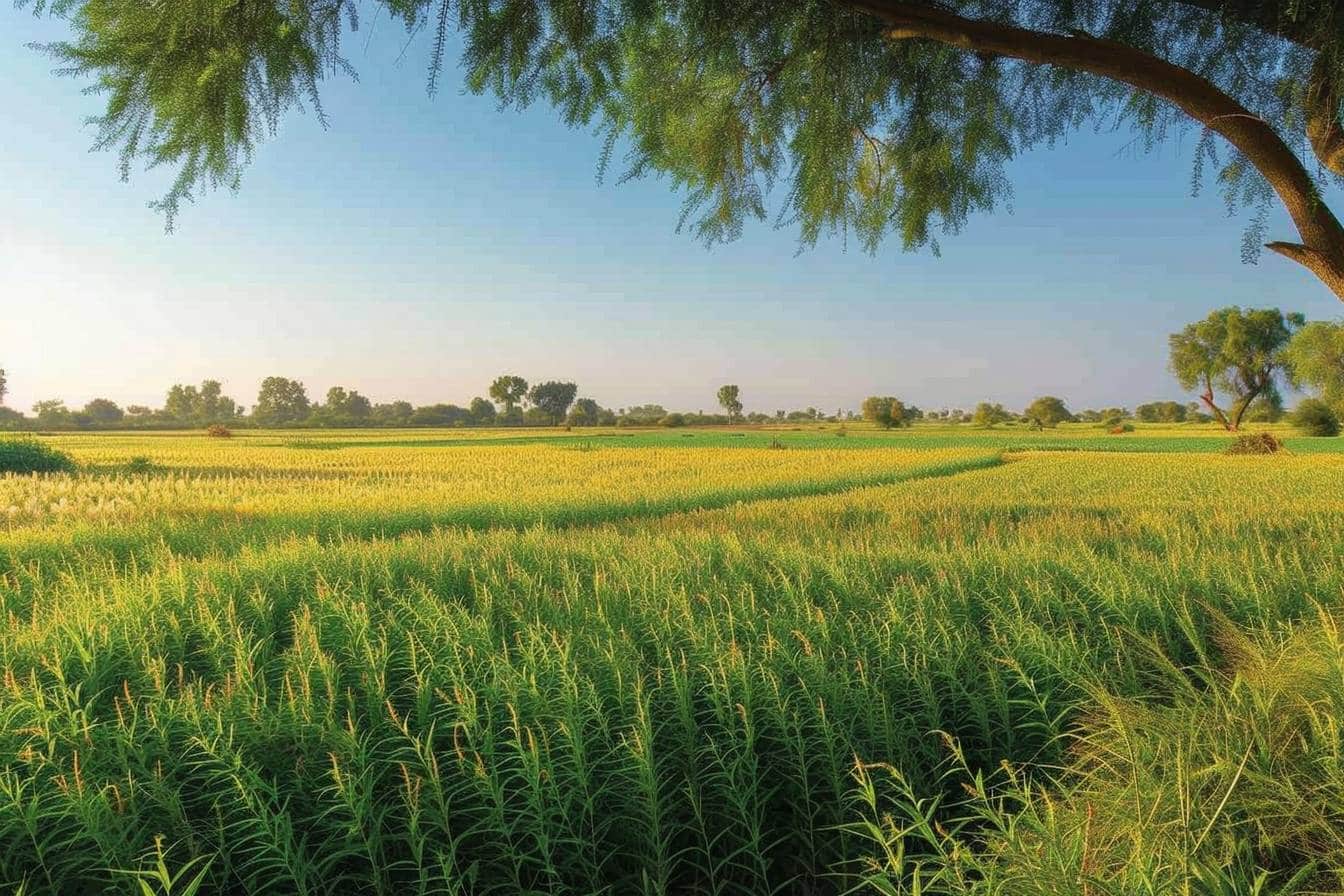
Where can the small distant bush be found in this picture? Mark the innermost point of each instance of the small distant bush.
(776, 445)
(673, 420)
(141, 464)
(31, 456)
(1315, 418)
(1256, 443)
(1121, 428)
(218, 431)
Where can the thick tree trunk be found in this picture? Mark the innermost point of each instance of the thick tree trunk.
(1239, 408)
(1321, 246)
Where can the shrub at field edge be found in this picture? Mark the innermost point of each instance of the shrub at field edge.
(28, 455)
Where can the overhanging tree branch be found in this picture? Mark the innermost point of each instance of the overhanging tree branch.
(1321, 246)
(1307, 26)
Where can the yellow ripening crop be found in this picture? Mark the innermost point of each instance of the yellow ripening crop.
(526, 480)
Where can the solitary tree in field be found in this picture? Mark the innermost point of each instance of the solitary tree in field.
(553, 399)
(871, 117)
(730, 401)
(885, 411)
(508, 391)
(4, 386)
(1315, 359)
(1237, 352)
(281, 402)
(1048, 411)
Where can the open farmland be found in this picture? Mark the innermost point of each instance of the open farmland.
(674, 662)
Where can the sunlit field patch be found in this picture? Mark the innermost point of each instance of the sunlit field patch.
(182, 482)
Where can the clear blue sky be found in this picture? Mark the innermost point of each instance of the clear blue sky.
(420, 247)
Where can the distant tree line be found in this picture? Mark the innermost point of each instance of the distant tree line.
(1236, 361)
(184, 406)
(283, 402)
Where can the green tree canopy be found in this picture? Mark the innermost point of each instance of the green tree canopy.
(587, 412)
(181, 403)
(553, 399)
(104, 412)
(482, 411)
(345, 407)
(281, 402)
(1239, 353)
(1315, 359)
(730, 399)
(643, 414)
(990, 413)
(867, 117)
(52, 412)
(1161, 412)
(886, 411)
(199, 407)
(215, 406)
(1048, 411)
(507, 391)
(394, 413)
(440, 415)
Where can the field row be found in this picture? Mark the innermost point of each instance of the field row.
(317, 451)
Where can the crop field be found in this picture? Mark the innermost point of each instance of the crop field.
(703, 662)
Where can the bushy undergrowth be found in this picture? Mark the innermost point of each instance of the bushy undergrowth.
(1315, 418)
(29, 455)
(1226, 779)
